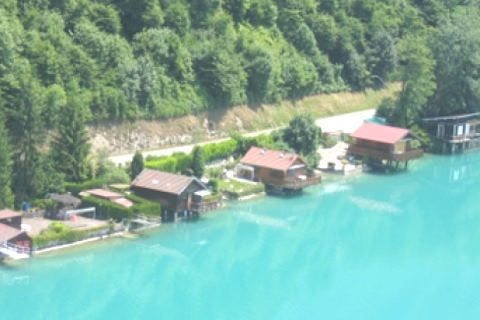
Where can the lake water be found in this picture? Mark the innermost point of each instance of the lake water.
(402, 246)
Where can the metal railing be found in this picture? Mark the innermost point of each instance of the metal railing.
(15, 248)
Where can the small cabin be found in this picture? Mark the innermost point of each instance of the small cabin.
(12, 238)
(180, 196)
(456, 133)
(384, 143)
(282, 172)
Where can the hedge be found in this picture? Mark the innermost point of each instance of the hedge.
(107, 208)
(167, 164)
(254, 189)
(76, 188)
(66, 235)
(219, 150)
(144, 206)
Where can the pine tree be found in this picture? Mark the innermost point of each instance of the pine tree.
(6, 167)
(137, 165)
(70, 146)
(198, 165)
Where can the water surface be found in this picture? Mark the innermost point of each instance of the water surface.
(402, 246)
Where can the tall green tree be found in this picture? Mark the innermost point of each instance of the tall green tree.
(6, 167)
(198, 165)
(456, 49)
(70, 145)
(137, 165)
(301, 134)
(417, 79)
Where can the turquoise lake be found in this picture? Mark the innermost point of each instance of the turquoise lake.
(399, 246)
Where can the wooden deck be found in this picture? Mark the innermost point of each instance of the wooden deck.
(202, 207)
(384, 155)
(297, 183)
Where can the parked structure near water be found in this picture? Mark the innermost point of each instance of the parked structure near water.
(282, 172)
(14, 242)
(180, 196)
(117, 198)
(456, 133)
(384, 143)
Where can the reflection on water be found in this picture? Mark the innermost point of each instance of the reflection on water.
(401, 246)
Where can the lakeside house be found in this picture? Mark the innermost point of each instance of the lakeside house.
(384, 143)
(457, 132)
(282, 172)
(180, 196)
(14, 241)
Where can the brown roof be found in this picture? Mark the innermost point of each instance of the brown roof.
(163, 181)
(102, 193)
(65, 199)
(7, 213)
(7, 232)
(271, 159)
(379, 133)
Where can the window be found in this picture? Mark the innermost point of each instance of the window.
(276, 174)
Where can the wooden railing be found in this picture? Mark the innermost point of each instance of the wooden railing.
(385, 155)
(298, 183)
(201, 207)
(461, 138)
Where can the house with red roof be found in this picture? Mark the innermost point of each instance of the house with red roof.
(282, 172)
(384, 143)
(179, 195)
(12, 238)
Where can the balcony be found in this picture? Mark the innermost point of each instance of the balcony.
(385, 155)
(202, 207)
(297, 183)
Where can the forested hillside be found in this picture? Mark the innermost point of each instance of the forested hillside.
(67, 62)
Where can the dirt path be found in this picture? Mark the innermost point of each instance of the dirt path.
(346, 122)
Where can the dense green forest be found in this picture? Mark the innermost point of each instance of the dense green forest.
(64, 63)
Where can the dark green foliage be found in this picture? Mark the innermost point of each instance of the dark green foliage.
(6, 166)
(107, 209)
(213, 184)
(301, 134)
(198, 165)
(137, 165)
(71, 145)
(143, 206)
(219, 150)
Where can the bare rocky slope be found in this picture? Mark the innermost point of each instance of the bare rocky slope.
(127, 137)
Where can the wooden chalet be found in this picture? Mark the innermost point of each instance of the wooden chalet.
(180, 196)
(383, 143)
(281, 172)
(14, 241)
(456, 133)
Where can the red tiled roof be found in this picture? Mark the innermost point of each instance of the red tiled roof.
(7, 213)
(379, 133)
(7, 232)
(163, 181)
(102, 193)
(271, 159)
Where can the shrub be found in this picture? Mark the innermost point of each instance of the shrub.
(143, 206)
(107, 208)
(213, 183)
(167, 164)
(184, 162)
(219, 150)
(59, 233)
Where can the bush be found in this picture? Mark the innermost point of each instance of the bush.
(76, 188)
(143, 206)
(213, 183)
(220, 150)
(59, 233)
(107, 208)
(167, 164)
(215, 173)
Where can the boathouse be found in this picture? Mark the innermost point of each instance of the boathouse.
(180, 196)
(456, 133)
(381, 143)
(14, 242)
(282, 172)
